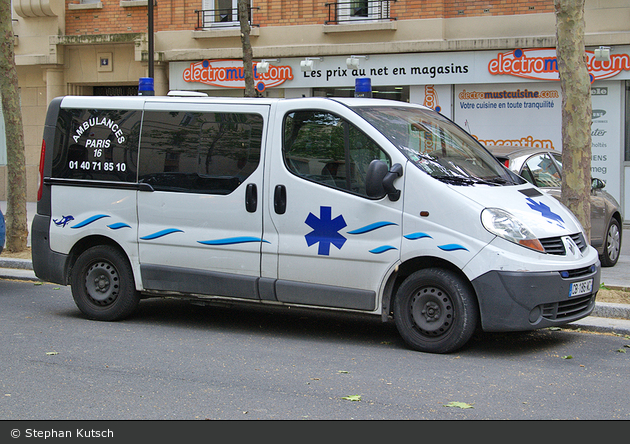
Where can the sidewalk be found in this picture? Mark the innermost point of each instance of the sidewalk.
(609, 318)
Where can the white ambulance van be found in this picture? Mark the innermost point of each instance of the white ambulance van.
(362, 205)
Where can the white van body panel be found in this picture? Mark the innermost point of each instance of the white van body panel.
(439, 222)
(109, 213)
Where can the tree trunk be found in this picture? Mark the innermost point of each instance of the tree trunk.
(16, 224)
(248, 67)
(576, 110)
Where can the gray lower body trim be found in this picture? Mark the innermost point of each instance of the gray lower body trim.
(48, 265)
(200, 282)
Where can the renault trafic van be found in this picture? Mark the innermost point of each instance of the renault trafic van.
(363, 205)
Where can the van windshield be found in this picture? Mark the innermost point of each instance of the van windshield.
(437, 146)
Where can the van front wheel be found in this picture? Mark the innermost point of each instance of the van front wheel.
(102, 284)
(435, 311)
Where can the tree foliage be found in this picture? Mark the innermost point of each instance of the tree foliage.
(576, 109)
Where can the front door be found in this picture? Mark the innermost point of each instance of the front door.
(330, 245)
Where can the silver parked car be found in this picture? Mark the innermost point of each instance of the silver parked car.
(543, 168)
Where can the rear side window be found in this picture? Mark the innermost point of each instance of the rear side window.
(194, 152)
(96, 145)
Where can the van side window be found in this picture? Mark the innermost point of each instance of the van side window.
(96, 145)
(194, 152)
(324, 148)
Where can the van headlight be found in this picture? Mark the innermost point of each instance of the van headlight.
(505, 225)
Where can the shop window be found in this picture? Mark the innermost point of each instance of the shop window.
(627, 150)
(399, 93)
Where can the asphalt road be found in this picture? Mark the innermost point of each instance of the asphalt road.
(179, 361)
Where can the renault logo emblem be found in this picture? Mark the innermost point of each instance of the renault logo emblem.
(571, 247)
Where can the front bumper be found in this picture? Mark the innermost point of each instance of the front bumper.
(519, 301)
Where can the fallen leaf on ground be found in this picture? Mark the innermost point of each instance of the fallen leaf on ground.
(461, 405)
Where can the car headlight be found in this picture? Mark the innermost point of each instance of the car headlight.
(503, 224)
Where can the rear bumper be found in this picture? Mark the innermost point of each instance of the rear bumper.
(48, 265)
(519, 301)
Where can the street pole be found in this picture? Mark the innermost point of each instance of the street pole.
(151, 42)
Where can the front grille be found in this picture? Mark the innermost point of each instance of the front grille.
(578, 272)
(554, 245)
(567, 309)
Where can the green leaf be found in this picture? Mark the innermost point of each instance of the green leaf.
(343, 371)
(352, 398)
(52, 353)
(622, 350)
(567, 357)
(460, 405)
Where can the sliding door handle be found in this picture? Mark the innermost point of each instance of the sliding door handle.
(251, 198)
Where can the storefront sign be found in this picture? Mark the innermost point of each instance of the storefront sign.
(530, 115)
(542, 64)
(478, 109)
(447, 68)
(231, 74)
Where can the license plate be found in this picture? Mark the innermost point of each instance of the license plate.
(582, 287)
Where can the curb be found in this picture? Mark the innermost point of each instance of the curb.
(608, 310)
(20, 264)
(601, 325)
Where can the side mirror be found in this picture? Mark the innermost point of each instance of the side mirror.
(597, 184)
(379, 180)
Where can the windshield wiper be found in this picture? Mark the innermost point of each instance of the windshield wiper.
(469, 180)
(455, 180)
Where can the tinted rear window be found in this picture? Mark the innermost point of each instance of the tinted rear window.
(96, 145)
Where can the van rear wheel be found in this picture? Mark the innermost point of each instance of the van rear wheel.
(102, 284)
(435, 311)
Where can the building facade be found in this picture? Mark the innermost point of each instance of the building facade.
(489, 65)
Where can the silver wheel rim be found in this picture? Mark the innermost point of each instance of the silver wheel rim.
(613, 242)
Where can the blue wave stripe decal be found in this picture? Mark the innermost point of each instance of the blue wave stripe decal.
(382, 249)
(452, 247)
(233, 240)
(418, 235)
(371, 227)
(161, 233)
(89, 220)
(118, 225)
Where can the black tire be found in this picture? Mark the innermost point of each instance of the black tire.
(612, 244)
(435, 311)
(102, 284)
